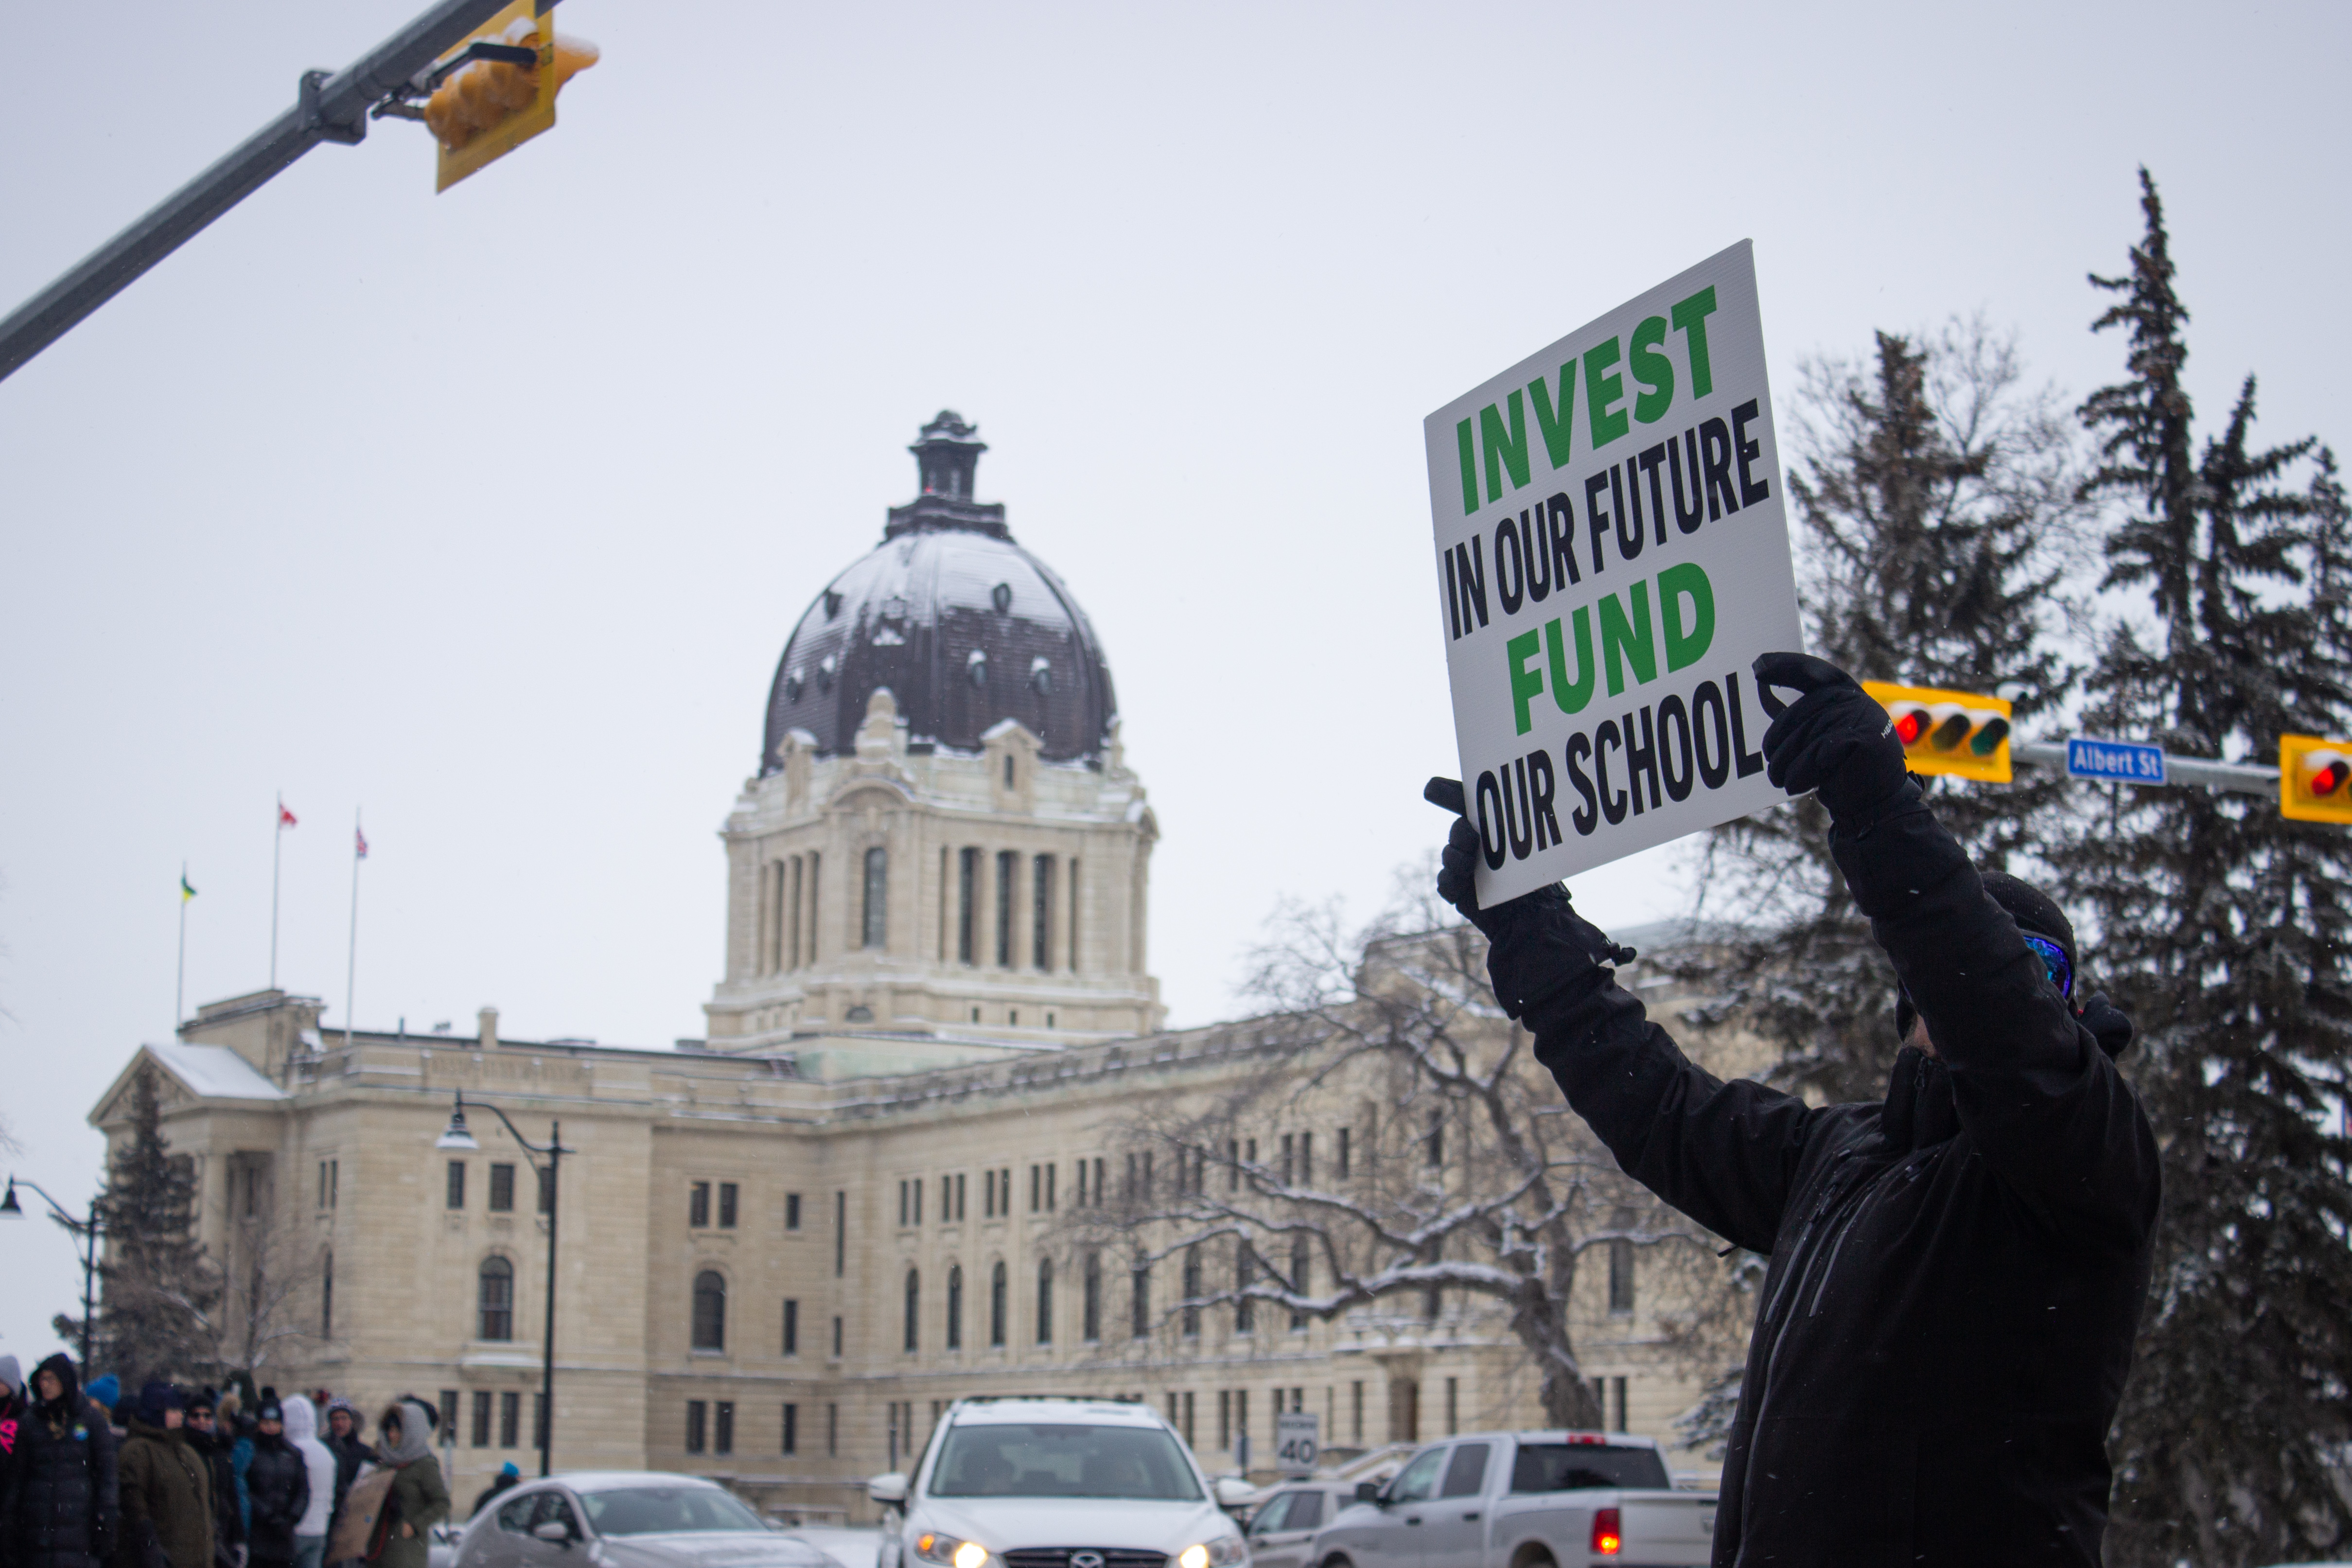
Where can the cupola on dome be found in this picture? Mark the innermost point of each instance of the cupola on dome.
(964, 626)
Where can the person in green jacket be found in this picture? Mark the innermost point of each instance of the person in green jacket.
(165, 1489)
(420, 1499)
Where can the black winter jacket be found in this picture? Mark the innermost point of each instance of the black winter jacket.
(58, 1508)
(277, 1485)
(217, 1452)
(1957, 1273)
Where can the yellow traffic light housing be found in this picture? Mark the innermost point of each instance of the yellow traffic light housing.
(1964, 733)
(489, 107)
(2314, 779)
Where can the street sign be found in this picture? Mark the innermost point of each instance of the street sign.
(1964, 733)
(1295, 1445)
(1612, 553)
(2123, 762)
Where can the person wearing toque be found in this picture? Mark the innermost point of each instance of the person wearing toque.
(1957, 1272)
(166, 1488)
(276, 1488)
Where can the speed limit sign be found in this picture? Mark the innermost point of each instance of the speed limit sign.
(1295, 1444)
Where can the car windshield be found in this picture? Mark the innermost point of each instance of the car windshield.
(1569, 1467)
(655, 1511)
(1015, 1459)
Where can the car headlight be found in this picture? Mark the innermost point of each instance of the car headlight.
(948, 1552)
(1220, 1553)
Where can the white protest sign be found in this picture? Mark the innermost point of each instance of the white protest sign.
(1612, 553)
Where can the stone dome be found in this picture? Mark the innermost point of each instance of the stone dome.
(964, 626)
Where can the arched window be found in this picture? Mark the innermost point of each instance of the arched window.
(710, 1311)
(996, 1306)
(1045, 1301)
(1090, 1309)
(878, 896)
(494, 1298)
(914, 1306)
(955, 1307)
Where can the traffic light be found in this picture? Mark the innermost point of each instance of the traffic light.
(495, 101)
(1961, 733)
(2314, 779)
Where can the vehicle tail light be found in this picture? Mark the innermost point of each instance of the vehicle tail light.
(1608, 1536)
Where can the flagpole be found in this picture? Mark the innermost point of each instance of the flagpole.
(276, 853)
(180, 988)
(351, 964)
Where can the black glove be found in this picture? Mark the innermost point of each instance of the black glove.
(1834, 740)
(2108, 1024)
(1536, 945)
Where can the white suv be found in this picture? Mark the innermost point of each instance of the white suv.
(1057, 1483)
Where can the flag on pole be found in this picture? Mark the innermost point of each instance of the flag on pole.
(285, 817)
(359, 850)
(186, 892)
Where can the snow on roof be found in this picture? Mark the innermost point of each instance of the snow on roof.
(214, 1072)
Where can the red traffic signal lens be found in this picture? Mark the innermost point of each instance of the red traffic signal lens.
(2330, 779)
(1910, 725)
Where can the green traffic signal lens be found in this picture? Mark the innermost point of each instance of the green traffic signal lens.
(1987, 741)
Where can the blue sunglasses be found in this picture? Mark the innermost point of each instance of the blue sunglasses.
(2053, 961)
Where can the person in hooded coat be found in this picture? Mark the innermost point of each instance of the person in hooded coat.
(58, 1501)
(345, 1442)
(276, 1488)
(420, 1499)
(318, 1472)
(166, 1488)
(1956, 1274)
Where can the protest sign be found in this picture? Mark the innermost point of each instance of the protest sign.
(1612, 553)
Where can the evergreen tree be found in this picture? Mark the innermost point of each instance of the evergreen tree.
(2222, 928)
(1937, 498)
(157, 1289)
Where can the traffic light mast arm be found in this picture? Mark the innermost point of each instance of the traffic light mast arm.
(2241, 778)
(330, 109)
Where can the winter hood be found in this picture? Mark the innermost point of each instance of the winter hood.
(69, 1401)
(301, 1419)
(415, 1439)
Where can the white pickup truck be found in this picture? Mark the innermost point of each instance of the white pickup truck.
(1524, 1499)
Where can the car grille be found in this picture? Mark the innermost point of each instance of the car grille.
(1059, 1557)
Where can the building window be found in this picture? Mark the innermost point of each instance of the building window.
(914, 1307)
(955, 1307)
(967, 902)
(1045, 1301)
(792, 1211)
(1040, 912)
(1288, 1171)
(815, 863)
(1306, 1159)
(1343, 1154)
(1621, 1275)
(327, 1294)
(697, 1414)
(1090, 1300)
(996, 1306)
(1356, 1412)
(791, 1328)
(481, 1418)
(1008, 770)
(1300, 1261)
(959, 1209)
(840, 1232)
(494, 1298)
(1008, 865)
(791, 1429)
(1037, 1187)
(1191, 1293)
(1139, 1282)
(836, 1336)
(878, 896)
(710, 1311)
(697, 1204)
(457, 1192)
(502, 1189)
(832, 1429)
(727, 1197)
(510, 1420)
(988, 1194)
(1467, 1451)
(722, 1435)
(1244, 1275)
(1432, 1143)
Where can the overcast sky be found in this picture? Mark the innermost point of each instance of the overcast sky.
(488, 514)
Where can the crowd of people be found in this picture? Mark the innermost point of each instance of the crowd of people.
(204, 1478)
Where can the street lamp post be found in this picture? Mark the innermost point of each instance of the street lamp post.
(455, 1136)
(86, 1232)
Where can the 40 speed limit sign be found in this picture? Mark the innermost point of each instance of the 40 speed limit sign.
(1295, 1442)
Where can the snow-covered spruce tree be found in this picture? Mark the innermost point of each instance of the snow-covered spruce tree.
(1938, 501)
(1463, 1188)
(2222, 928)
(157, 1289)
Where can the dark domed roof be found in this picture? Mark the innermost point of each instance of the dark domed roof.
(964, 626)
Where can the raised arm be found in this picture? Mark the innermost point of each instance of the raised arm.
(1724, 1153)
(2045, 1104)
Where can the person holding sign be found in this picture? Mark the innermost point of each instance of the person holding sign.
(1957, 1273)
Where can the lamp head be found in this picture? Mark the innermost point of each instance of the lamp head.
(454, 1135)
(9, 1207)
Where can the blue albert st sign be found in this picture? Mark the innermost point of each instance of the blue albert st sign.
(2119, 760)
